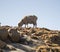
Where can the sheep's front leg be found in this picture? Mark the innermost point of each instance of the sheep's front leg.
(25, 25)
(33, 25)
(36, 25)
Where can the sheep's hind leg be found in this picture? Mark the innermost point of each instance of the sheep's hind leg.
(27, 25)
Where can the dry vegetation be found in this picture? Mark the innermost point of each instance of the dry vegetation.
(29, 39)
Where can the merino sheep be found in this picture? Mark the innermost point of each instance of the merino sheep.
(28, 20)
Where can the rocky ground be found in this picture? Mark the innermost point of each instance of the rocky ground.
(14, 39)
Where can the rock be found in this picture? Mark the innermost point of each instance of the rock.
(2, 44)
(10, 47)
(55, 39)
(39, 34)
(33, 31)
(3, 34)
(1, 50)
(14, 35)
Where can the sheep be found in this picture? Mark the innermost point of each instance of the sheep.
(31, 19)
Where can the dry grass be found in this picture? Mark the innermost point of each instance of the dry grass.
(49, 37)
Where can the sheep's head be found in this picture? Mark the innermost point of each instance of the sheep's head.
(20, 23)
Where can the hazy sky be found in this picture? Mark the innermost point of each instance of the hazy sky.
(47, 11)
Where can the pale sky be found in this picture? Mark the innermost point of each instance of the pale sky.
(47, 11)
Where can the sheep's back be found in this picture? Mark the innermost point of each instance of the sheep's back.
(31, 19)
